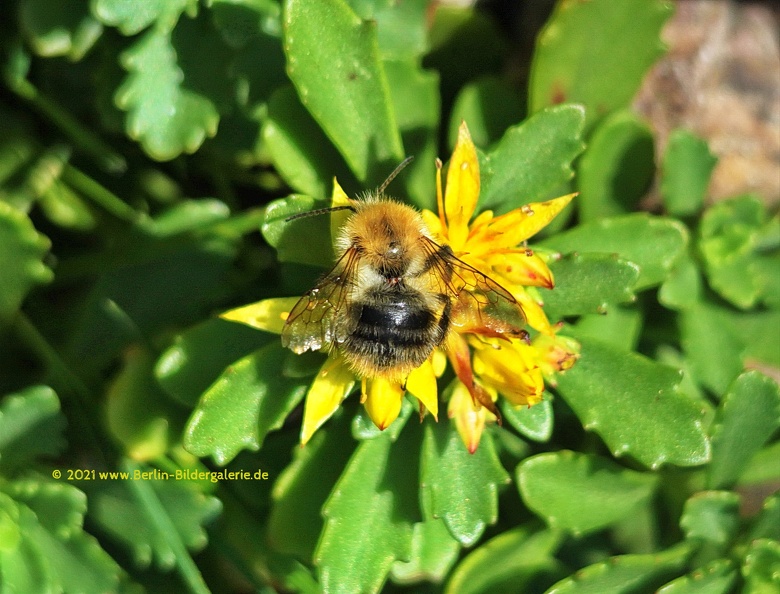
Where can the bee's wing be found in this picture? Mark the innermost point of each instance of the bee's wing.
(313, 322)
(474, 289)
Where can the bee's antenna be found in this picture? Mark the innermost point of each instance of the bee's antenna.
(319, 211)
(395, 172)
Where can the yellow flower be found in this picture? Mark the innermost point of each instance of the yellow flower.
(486, 362)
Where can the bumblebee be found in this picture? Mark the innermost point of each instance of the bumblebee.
(394, 294)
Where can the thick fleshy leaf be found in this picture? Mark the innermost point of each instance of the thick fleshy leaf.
(581, 493)
(652, 243)
(462, 487)
(53, 553)
(717, 577)
(191, 364)
(302, 154)
(533, 160)
(616, 170)
(333, 60)
(22, 250)
(683, 288)
(712, 517)
(369, 516)
(584, 40)
(741, 251)
(434, 550)
(588, 283)
(61, 29)
(490, 106)
(626, 574)
(534, 422)
(761, 567)
(620, 327)
(132, 17)
(170, 94)
(401, 26)
(712, 348)
(767, 524)
(635, 405)
(295, 522)
(31, 425)
(248, 400)
(509, 562)
(286, 236)
(687, 167)
(747, 417)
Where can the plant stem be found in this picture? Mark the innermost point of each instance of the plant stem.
(100, 195)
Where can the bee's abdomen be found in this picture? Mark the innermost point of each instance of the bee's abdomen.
(395, 333)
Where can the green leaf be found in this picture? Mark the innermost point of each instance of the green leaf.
(302, 154)
(747, 417)
(489, 106)
(461, 488)
(333, 61)
(687, 166)
(124, 518)
(60, 29)
(22, 250)
(741, 251)
(295, 522)
(625, 574)
(512, 561)
(31, 425)
(711, 516)
(170, 94)
(534, 422)
(761, 567)
(415, 96)
(653, 243)
(713, 350)
(248, 400)
(240, 21)
(581, 493)
(54, 554)
(434, 551)
(138, 414)
(717, 577)
(132, 17)
(286, 236)
(616, 170)
(682, 289)
(588, 283)
(767, 524)
(369, 516)
(596, 53)
(401, 26)
(635, 405)
(533, 159)
(187, 368)
(620, 327)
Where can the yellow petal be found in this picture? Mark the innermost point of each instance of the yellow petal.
(337, 219)
(434, 225)
(332, 384)
(522, 223)
(555, 353)
(511, 370)
(268, 315)
(383, 401)
(439, 361)
(462, 190)
(534, 314)
(421, 384)
(469, 421)
(524, 268)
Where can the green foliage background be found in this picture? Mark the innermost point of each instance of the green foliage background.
(144, 145)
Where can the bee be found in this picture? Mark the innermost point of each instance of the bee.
(394, 293)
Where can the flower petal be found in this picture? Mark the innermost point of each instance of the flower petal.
(268, 315)
(532, 308)
(338, 198)
(332, 384)
(514, 227)
(421, 384)
(511, 369)
(525, 268)
(469, 421)
(555, 353)
(383, 401)
(462, 190)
